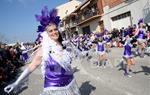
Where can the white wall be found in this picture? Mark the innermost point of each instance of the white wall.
(124, 22)
(136, 9)
(94, 26)
(106, 18)
(67, 8)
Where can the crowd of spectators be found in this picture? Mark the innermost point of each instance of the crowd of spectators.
(119, 34)
(10, 62)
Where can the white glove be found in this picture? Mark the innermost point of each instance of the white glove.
(12, 86)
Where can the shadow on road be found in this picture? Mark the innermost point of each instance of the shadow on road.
(86, 88)
(89, 57)
(145, 70)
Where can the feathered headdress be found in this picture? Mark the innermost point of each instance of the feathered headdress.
(105, 31)
(47, 17)
(140, 21)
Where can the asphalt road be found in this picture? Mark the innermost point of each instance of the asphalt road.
(93, 80)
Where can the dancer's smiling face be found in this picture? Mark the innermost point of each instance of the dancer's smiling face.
(52, 31)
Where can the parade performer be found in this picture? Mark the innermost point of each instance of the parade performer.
(107, 39)
(100, 49)
(78, 46)
(24, 55)
(147, 49)
(127, 56)
(140, 34)
(55, 61)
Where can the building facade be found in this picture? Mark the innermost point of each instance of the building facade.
(85, 19)
(123, 13)
(97, 15)
(63, 11)
(67, 8)
(88, 17)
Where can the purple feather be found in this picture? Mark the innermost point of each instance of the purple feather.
(53, 13)
(44, 11)
(47, 17)
(38, 17)
(40, 28)
(44, 21)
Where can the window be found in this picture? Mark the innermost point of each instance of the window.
(121, 16)
(86, 30)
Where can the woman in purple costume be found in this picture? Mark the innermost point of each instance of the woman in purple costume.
(127, 55)
(55, 61)
(141, 32)
(24, 53)
(25, 56)
(102, 59)
(107, 39)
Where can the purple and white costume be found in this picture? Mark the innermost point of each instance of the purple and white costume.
(24, 55)
(127, 49)
(100, 48)
(56, 69)
(141, 35)
(107, 39)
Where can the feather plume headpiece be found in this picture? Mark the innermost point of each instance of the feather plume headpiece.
(46, 18)
(140, 21)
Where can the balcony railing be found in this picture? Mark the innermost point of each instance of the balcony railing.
(72, 24)
(81, 17)
(88, 14)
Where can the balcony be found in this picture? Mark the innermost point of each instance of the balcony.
(87, 15)
(72, 24)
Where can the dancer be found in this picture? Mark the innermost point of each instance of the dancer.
(127, 56)
(102, 59)
(55, 61)
(107, 39)
(24, 55)
(140, 34)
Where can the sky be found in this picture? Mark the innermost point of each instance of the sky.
(17, 18)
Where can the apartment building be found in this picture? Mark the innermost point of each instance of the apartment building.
(65, 10)
(123, 13)
(95, 15)
(85, 19)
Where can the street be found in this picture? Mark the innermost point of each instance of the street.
(93, 80)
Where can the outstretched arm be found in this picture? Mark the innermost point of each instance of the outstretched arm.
(37, 59)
